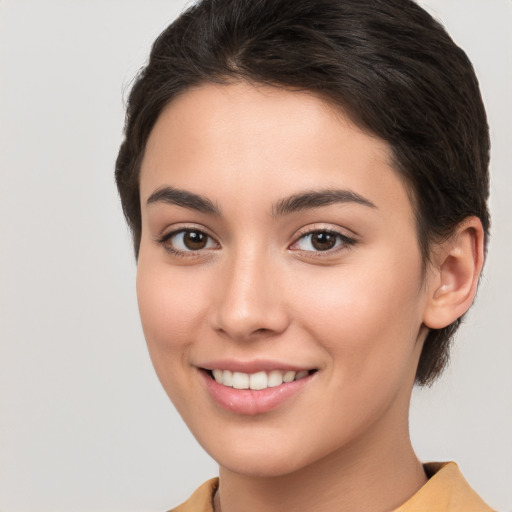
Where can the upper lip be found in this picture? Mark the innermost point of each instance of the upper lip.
(254, 366)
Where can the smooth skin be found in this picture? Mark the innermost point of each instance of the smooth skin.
(339, 288)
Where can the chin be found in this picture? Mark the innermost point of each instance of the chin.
(265, 456)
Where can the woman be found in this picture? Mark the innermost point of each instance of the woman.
(306, 184)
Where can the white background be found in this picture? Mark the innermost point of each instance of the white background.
(84, 424)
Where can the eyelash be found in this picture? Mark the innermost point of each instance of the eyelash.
(343, 242)
(164, 241)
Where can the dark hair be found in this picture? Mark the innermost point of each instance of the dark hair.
(386, 63)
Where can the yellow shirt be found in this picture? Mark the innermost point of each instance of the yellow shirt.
(445, 491)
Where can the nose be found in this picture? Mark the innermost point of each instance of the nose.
(249, 300)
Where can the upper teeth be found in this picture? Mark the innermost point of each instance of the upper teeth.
(259, 380)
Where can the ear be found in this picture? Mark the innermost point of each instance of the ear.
(453, 280)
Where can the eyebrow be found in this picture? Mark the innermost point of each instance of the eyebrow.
(185, 199)
(317, 198)
(297, 202)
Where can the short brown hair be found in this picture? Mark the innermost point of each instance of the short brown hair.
(386, 63)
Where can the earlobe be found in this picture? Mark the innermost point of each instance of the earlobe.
(454, 279)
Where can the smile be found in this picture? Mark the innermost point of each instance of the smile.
(257, 381)
(255, 393)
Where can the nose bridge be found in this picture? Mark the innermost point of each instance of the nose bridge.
(249, 300)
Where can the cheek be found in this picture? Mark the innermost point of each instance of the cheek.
(367, 320)
(171, 310)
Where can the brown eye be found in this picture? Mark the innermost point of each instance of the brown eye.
(194, 240)
(189, 240)
(323, 240)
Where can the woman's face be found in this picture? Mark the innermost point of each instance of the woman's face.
(278, 252)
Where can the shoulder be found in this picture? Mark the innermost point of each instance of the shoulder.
(446, 491)
(201, 500)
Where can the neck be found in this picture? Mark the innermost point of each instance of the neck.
(375, 474)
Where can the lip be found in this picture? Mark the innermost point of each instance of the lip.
(252, 402)
(257, 365)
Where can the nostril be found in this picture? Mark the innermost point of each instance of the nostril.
(261, 331)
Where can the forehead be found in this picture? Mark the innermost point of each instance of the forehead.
(264, 141)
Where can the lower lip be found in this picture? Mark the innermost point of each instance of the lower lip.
(251, 402)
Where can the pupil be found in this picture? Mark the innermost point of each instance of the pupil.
(323, 241)
(194, 240)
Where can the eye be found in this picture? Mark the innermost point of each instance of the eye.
(188, 240)
(321, 241)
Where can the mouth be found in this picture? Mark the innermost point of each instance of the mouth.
(257, 381)
(255, 393)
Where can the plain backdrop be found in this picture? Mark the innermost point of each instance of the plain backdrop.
(84, 424)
